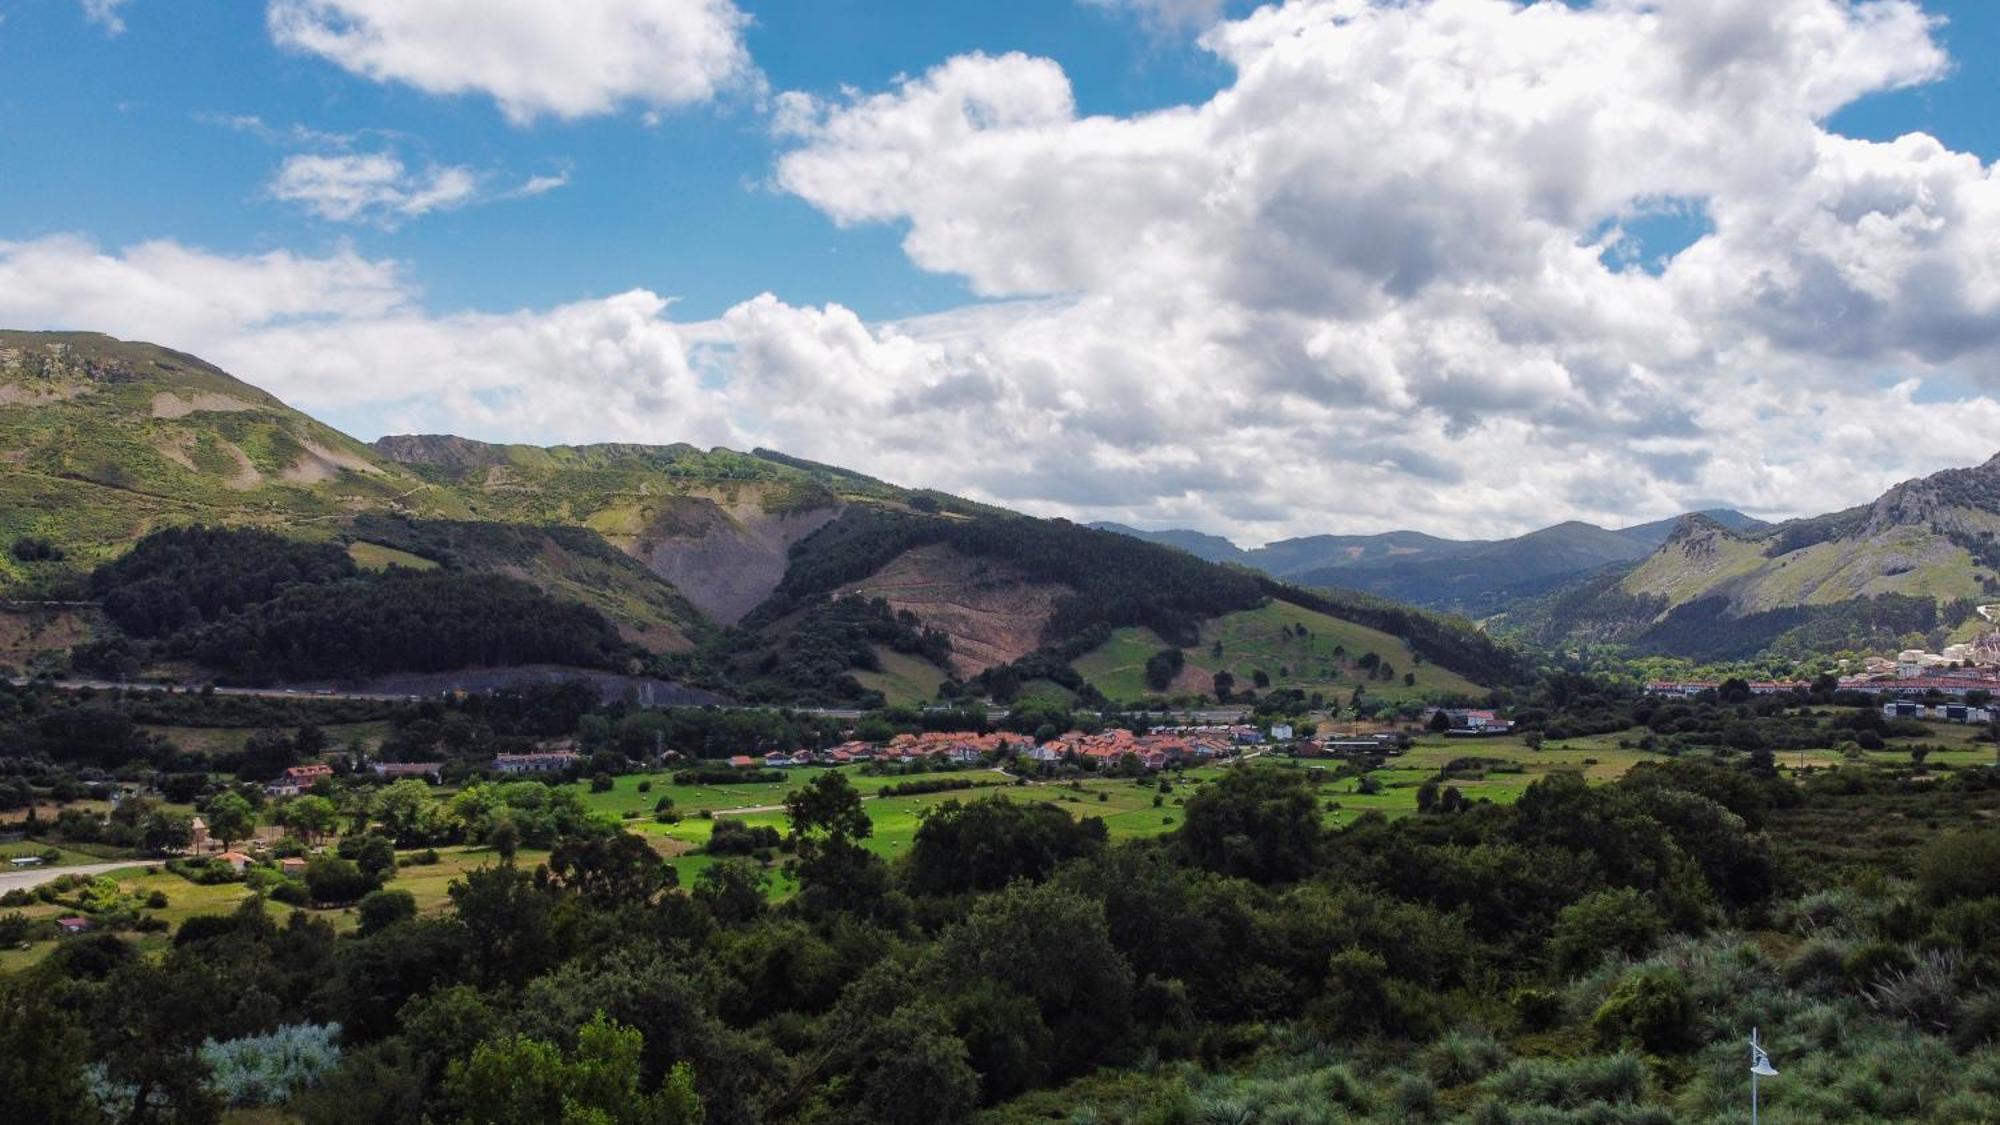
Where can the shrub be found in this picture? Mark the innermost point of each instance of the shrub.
(733, 837)
(1818, 965)
(262, 1070)
(156, 901)
(1872, 960)
(1650, 1007)
(601, 783)
(334, 880)
(1463, 1057)
(645, 787)
(1963, 865)
(1924, 994)
(1613, 1080)
(1978, 1022)
(1415, 1098)
(1538, 1009)
(1621, 922)
(381, 909)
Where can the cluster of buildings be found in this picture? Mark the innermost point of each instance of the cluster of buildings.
(1155, 750)
(1688, 689)
(1955, 683)
(1913, 662)
(1943, 712)
(298, 779)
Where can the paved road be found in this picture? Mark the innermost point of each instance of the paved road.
(336, 693)
(35, 876)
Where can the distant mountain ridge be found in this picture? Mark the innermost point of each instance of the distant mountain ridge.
(1910, 567)
(1476, 577)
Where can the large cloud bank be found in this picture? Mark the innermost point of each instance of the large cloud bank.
(1382, 279)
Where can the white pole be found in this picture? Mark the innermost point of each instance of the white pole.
(1753, 1076)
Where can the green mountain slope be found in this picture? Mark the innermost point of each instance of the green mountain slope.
(756, 573)
(1916, 561)
(103, 439)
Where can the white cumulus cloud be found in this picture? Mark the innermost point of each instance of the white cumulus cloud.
(536, 58)
(372, 187)
(1367, 283)
(1382, 278)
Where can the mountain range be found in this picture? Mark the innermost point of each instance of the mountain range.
(1909, 568)
(1477, 577)
(731, 570)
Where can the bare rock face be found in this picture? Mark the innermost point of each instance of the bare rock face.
(726, 556)
(992, 614)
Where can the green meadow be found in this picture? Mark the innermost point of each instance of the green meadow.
(1267, 639)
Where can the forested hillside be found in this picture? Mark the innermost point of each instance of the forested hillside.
(753, 574)
(253, 607)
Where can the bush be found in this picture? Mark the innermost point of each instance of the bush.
(713, 776)
(1651, 1008)
(156, 901)
(334, 881)
(1463, 1057)
(381, 909)
(1620, 922)
(733, 837)
(1925, 994)
(1818, 966)
(1415, 1098)
(1872, 960)
(1963, 865)
(1538, 1009)
(1610, 1080)
(262, 1070)
(601, 783)
(926, 785)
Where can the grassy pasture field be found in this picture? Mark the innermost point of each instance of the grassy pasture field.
(376, 556)
(904, 679)
(27, 848)
(429, 884)
(1266, 638)
(1126, 806)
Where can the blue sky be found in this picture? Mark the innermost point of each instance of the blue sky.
(1468, 266)
(121, 136)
